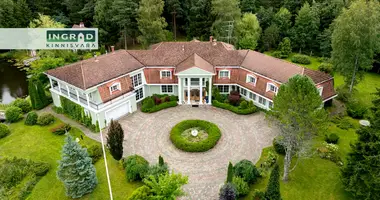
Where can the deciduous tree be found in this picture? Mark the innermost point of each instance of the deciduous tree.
(248, 31)
(355, 40)
(227, 13)
(115, 140)
(44, 21)
(283, 21)
(248, 6)
(298, 114)
(271, 37)
(75, 170)
(125, 13)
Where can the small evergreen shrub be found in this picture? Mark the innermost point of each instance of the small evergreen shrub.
(327, 68)
(141, 193)
(45, 119)
(270, 160)
(356, 110)
(236, 109)
(41, 168)
(173, 98)
(301, 59)
(246, 170)
(228, 192)
(285, 48)
(243, 105)
(4, 130)
(31, 119)
(277, 54)
(136, 167)
(230, 172)
(147, 104)
(156, 170)
(61, 129)
(158, 102)
(13, 114)
(332, 138)
(241, 186)
(23, 104)
(95, 152)
(278, 146)
(273, 187)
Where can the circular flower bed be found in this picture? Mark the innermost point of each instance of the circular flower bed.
(206, 137)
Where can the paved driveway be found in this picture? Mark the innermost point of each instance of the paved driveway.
(243, 137)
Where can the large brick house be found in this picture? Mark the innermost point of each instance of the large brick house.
(110, 86)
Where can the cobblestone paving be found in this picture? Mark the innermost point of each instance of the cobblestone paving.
(243, 137)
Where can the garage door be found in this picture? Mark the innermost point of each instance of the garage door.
(117, 112)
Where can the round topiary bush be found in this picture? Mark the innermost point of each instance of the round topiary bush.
(31, 119)
(278, 146)
(208, 135)
(13, 114)
(4, 130)
(136, 167)
(23, 104)
(246, 170)
(45, 119)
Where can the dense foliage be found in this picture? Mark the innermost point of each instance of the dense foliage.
(45, 119)
(115, 138)
(136, 167)
(158, 102)
(31, 118)
(4, 130)
(76, 170)
(241, 186)
(228, 192)
(13, 114)
(37, 94)
(182, 143)
(166, 186)
(61, 129)
(23, 104)
(273, 188)
(246, 170)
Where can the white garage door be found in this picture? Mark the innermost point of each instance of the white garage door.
(117, 112)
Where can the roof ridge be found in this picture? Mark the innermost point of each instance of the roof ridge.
(158, 46)
(83, 77)
(143, 65)
(204, 59)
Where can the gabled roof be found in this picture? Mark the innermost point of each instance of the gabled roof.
(195, 61)
(91, 72)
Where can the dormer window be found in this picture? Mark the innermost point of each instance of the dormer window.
(166, 74)
(272, 87)
(224, 74)
(115, 87)
(251, 79)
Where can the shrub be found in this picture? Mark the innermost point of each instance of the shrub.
(270, 160)
(228, 192)
(23, 104)
(235, 109)
(301, 59)
(173, 98)
(136, 167)
(277, 54)
(167, 99)
(273, 187)
(278, 146)
(242, 187)
(156, 170)
(160, 107)
(230, 172)
(345, 124)
(344, 94)
(157, 100)
(243, 105)
(148, 103)
(45, 119)
(140, 193)
(356, 110)
(61, 129)
(115, 139)
(95, 152)
(330, 152)
(40, 169)
(285, 48)
(13, 114)
(4, 130)
(233, 99)
(31, 118)
(332, 138)
(58, 110)
(327, 68)
(246, 170)
(258, 195)
(201, 146)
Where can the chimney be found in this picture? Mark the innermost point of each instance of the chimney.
(214, 42)
(113, 49)
(81, 25)
(211, 38)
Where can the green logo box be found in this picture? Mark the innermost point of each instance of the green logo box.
(70, 36)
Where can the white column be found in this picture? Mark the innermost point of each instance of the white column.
(77, 96)
(59, 88)
(200, 90)
(68, 91)
(51, 83)
(209, 90)
(88, 100)
(180, 91)
(188, 90)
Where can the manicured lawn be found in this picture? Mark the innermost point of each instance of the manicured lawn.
(313, 178)
(38, 144)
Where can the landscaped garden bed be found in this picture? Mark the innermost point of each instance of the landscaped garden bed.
(234, 103)
(158, 102)
(195, 135)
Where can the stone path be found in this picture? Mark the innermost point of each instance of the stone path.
(243, 137)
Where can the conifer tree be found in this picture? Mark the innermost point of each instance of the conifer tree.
(34, 98)
(230, 173)
(273, 188)
(41, 94)
(115, 139)
(161, 161)
(75, 170)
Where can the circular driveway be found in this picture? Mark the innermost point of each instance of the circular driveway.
(243, 137)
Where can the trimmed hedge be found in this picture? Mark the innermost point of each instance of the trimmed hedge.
(235, 109)
(31, 118)
(301, 59)
(158, 102)
(23, 104)
(4, 130)
(13, 114)
(136, 167)
(45, 119)
(213, 131)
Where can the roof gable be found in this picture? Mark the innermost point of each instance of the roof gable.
(195, 61)
(194, 71)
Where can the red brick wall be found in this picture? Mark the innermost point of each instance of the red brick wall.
(152, 76)
(125, 86)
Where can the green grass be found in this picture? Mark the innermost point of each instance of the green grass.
(313, 178)
(38, 144)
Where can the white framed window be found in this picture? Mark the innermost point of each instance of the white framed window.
(166, 89)
(251, 79)
(252, 96)
(270, 104)
(115, 87)
(320, 90)
(243, 91)
(272, 87)
(166, 74)
(139, 94)
(136, 80)
(224, 74)
(224, 88)
(262, 101)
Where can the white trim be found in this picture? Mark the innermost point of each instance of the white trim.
(251, 76)
(226, 84)
(272, 84)
(167, 89)
(223, 88)
(207, 73)
(118, 86)
(224, 70)
(113, 108)
(329, 98)
(163, 83)
(261, 75)
(159, 67)
(143, 91)
(225, 67)
(170, 74)
(325, 81)
(320, 90)
(201, 75)
(254, 92)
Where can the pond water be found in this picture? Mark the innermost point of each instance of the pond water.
(12, 82)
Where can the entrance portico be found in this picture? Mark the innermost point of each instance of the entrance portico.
(194, 89)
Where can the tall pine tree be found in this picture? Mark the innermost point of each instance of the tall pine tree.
(115, 139)
(200, 20)
(227, 14)
(125, 13)
(75, 170)
(230, 172)
(34, 97)
(273, 188)
(41, 93)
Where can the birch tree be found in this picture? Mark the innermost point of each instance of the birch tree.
(355, 40)
(297, 113)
